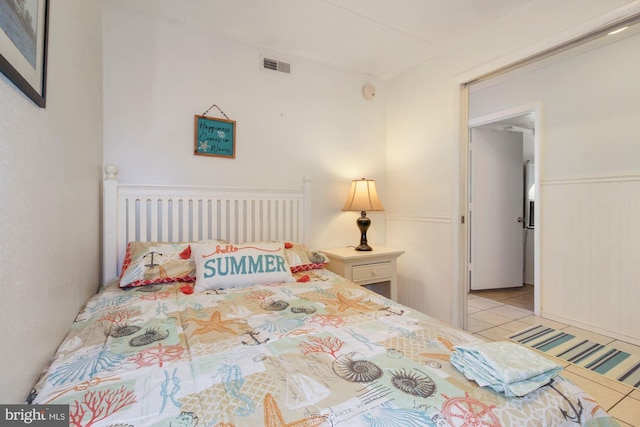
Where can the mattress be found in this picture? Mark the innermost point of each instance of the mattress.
(322, 351)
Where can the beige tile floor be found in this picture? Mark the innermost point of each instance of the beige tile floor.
(493, 314)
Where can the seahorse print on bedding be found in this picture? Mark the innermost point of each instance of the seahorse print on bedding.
(232, 381)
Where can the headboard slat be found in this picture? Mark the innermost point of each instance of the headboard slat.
(181, 213)
(153, 214)
(164, 216)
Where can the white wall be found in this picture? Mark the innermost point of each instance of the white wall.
(590, 173)
(50, 162)
(423, 128)
(158, 74)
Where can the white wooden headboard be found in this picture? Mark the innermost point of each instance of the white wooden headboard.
(158, 213)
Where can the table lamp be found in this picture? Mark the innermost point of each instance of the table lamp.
(363, 197)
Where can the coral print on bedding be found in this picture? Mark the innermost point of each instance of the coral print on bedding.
(325, 352)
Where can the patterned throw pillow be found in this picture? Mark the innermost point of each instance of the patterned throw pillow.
(301, 258)
(146, 263)
(225, 265)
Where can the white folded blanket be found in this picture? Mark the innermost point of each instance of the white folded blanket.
(504, 366)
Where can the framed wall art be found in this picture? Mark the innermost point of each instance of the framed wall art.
(215, 137)
(23, 46)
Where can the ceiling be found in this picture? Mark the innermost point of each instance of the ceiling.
(377, 37)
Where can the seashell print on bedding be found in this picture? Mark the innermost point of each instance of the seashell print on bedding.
(151, 335)
(89, 363)
(277, 305)
(356, 370)
(397, 417)
(303, 310)
(413, 382)
(123, 330)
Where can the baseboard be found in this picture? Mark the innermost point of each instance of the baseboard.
(571, 322)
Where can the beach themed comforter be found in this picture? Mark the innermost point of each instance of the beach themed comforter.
(320, 352)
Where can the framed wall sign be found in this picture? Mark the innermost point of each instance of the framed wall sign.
(215, 137)
(23, 45)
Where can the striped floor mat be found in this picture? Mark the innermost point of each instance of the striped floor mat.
(603, 359)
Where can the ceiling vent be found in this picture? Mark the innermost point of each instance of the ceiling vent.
(275, 65)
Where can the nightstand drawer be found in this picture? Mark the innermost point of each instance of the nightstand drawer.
(375, 269)
(371, 273)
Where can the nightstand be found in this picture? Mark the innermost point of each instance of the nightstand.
(375, 270)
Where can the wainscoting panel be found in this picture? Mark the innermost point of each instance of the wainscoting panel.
(590, 253)
(424, 270)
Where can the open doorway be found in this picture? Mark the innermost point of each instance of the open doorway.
(502, 210)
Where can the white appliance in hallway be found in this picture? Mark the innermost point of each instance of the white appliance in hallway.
(496, 209)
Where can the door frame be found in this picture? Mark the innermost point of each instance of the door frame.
(464, 243)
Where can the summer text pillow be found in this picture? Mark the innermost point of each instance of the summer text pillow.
(146, 263)
(224, 265)
(301, 258)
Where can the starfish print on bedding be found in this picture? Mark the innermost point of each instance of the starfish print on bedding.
(215, 323)
(273, 416)
(448, 344)
(345, 303)
(439, 356)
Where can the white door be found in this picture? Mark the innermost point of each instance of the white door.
(496, 209)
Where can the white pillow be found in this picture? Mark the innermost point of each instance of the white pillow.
(225, 265)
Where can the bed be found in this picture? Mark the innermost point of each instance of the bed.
(306, 348)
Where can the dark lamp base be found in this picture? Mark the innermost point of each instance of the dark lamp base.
(363, 225)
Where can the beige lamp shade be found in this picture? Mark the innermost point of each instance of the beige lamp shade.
(363, 196)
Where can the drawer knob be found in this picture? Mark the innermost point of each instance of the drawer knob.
(373, 272)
